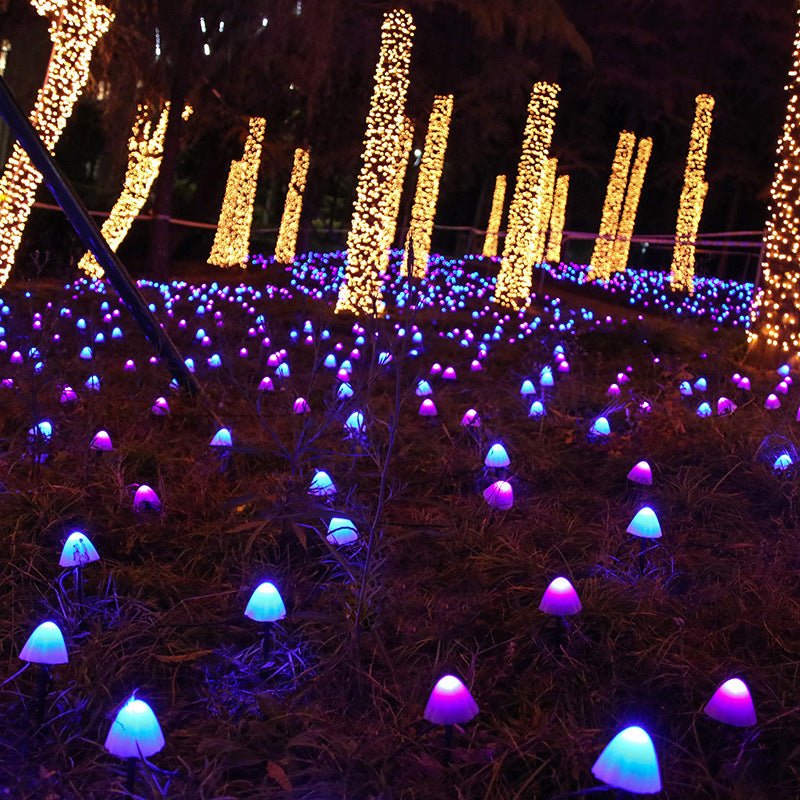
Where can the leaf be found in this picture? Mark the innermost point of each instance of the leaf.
(278, 774)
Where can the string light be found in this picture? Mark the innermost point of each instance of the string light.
(427, 193)
(622, 242)
(693, 196)
(492, 240)
(601, 263)
(75, 28)
(285, 249)
(399, 173)
(558, 220)
(516, 271)
(775, 314)
(145, 153)
(232, 241)
(548, 192)
(368, 255)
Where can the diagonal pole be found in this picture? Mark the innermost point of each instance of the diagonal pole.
(93, 240)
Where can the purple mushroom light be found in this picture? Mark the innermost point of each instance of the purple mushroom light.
(732, 704)
(145, 499)
(450, 703)
(560, 600)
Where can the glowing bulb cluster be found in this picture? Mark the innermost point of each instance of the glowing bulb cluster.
(693, 196)
(548, 192)
(601, 263)
(622, 242)
(399, 179)
(285, 249)
(516, 271)
(427, 194)
(76, 27)
(492, 239)
(384, 142)
(558, 220)
(775, 314)
(145, 153)
(232, 241)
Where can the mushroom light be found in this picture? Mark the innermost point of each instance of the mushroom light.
(641, 474)
(134, 734)
(45, 647)
(497, 457)
(645, 524)
(499, 495)
(76, 553)
(450, 703)
(629, 762)
(560, 599)
(266, 606)
(341, 531)
(732, 704)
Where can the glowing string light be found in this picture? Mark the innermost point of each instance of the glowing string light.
(145, 153)
(558, 220)
(622, 243)
(516, 272)
(75, 28)
(492, 240)
(692, 197)
(368, 257)
(290, 222)
(775, 314)
(601, 263)
(398, 181)
(427, 193)
(548, 192)
(232, 241)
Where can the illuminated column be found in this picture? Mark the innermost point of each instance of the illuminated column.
(692, 197)
(548, 192)
(557, 220)
(516, 272)
(232, 240)
(427, 194)
(600, 266)
(367, 249)
(145, 153)
(75, 28)
(622, 243)
(398, 181)
(290, 222)
(492, 239)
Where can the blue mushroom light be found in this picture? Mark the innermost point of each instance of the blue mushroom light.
(629, 762)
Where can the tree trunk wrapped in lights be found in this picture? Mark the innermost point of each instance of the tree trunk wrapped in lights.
(622, 243)
(290, 222)
(601, 264)
(490, 243)
(145, 152)
(367, 249)
(427, 193)
(548, 192)
(232, 241)
(516, 272)
(557, 220)
(75, 28)
(399, 179)
(693, 197)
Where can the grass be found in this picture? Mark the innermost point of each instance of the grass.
(437, 583)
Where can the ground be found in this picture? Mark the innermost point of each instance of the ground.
(438, 582)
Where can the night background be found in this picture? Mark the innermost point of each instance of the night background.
(377, 483)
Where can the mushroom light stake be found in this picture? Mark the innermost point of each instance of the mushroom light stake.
(450, 703)
(134, 734)
(76, 553)
(645, 526)
(560, 600)
(266, 606)
(45, 647)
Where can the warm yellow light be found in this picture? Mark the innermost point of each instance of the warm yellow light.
(524, 217)
(490, 243)
(601, 265)
(75, 28)
(398, 181)
(367, 245)
(693, 196)
(548, 192)
(557, 220)
(622, 242)
(145, 153)
(232, 240)
(290, 222)
(775, 312)
(427, 194)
